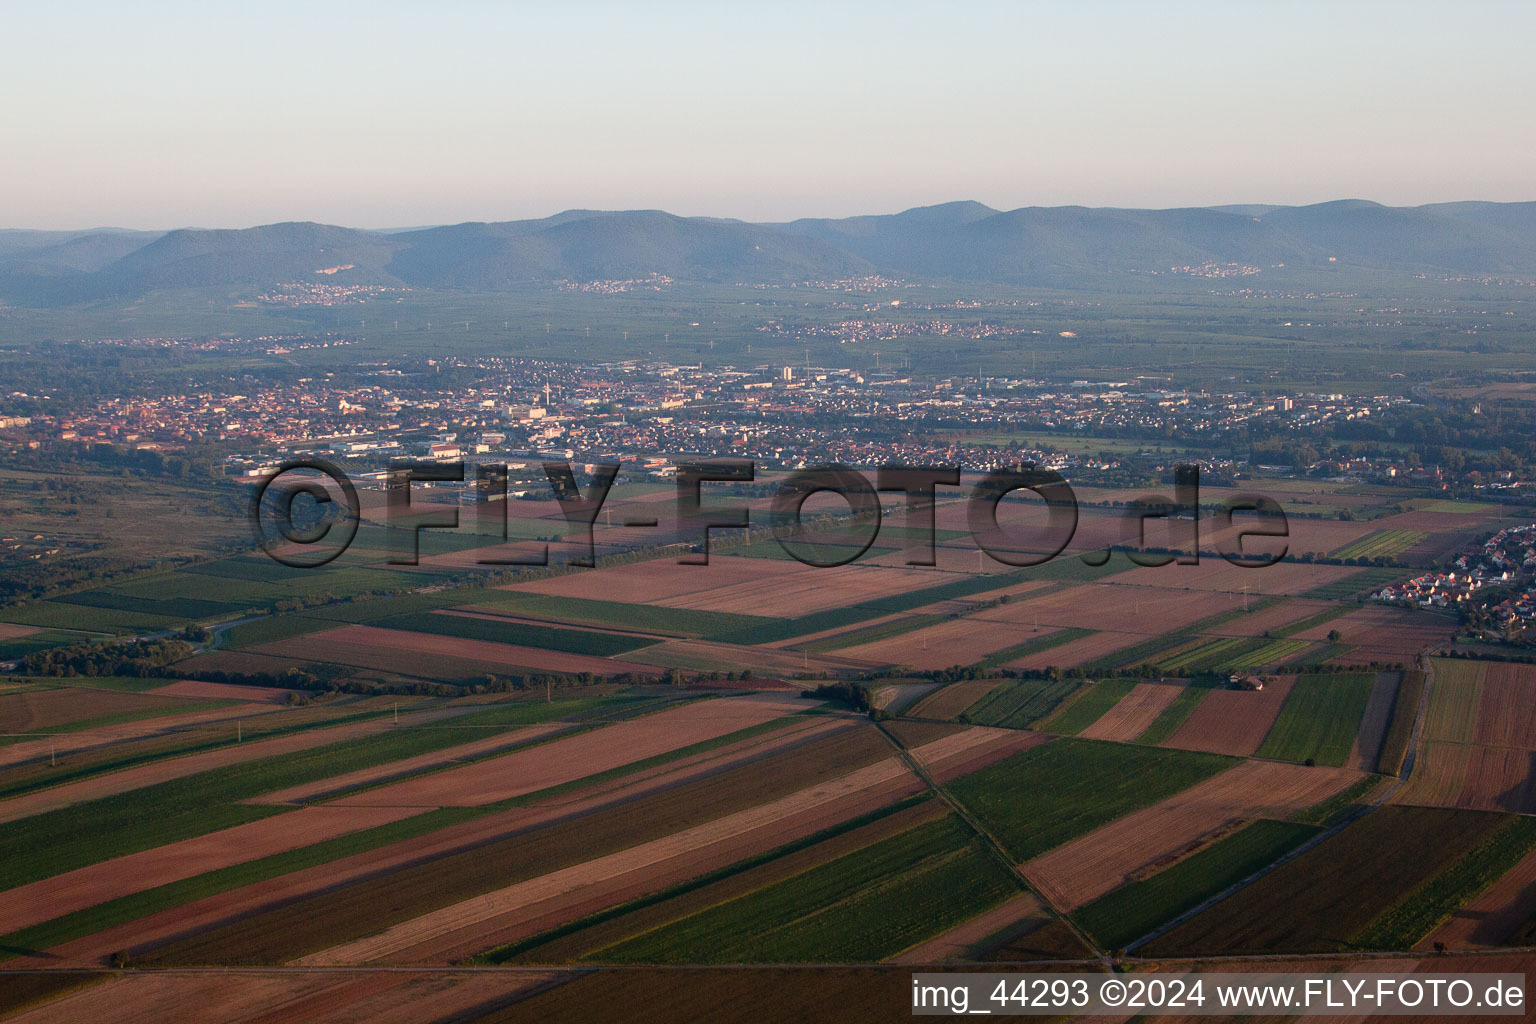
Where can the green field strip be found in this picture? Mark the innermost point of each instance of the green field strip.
(1087, 706)
(1355, 583)
(1320, 719)
(1430, 905)
(861, 907)
(1381, 544)
(1134, 910)
(869, 634)
(1173, 716)
(1044, 796)
(522, 634)
(1266, 652)
(1018, 704)
(1034, 645)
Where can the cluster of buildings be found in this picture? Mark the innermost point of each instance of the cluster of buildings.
(782, 415)
(651, 282)
(315, 293)
(1508, 558)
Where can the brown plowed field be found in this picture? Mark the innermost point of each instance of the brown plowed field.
(656, 580)
(11, 630)
(1130, 718)
(1493, 915)
(1088, 867)
(35, 710)
(88, 886)
(224, 691)
(429, 655)
(1233, 721)
(1079, 651)
(1506, 713)
(572, 758)
(1479, 747)
(1384, 634)
(804, 590)
(1285, 578)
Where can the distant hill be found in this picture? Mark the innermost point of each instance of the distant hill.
(962, 241)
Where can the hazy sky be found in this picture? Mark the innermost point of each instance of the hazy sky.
(387, 114)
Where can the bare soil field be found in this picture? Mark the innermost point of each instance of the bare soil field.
(1139, 708)
(224, 691)
(1131, 608)
(1152, 838)
(88, 886)
(35, 710)
(804, 590)
(1233, 721)
(574, 757)
(12, 630)
(428, 654)
(1506, 711)
(1373, 725)
(1494, 914)
(1479, 746)
(1217, 574)
(1384, 634)
(1079, 651)
(656, 581)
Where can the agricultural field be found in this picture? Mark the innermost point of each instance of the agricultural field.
(1479, 738)
(1387, 544)
(1137, 908)
(1326, 899)
(1043, 797)
(1018, 704)
(861, 907)
(1321, 719)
